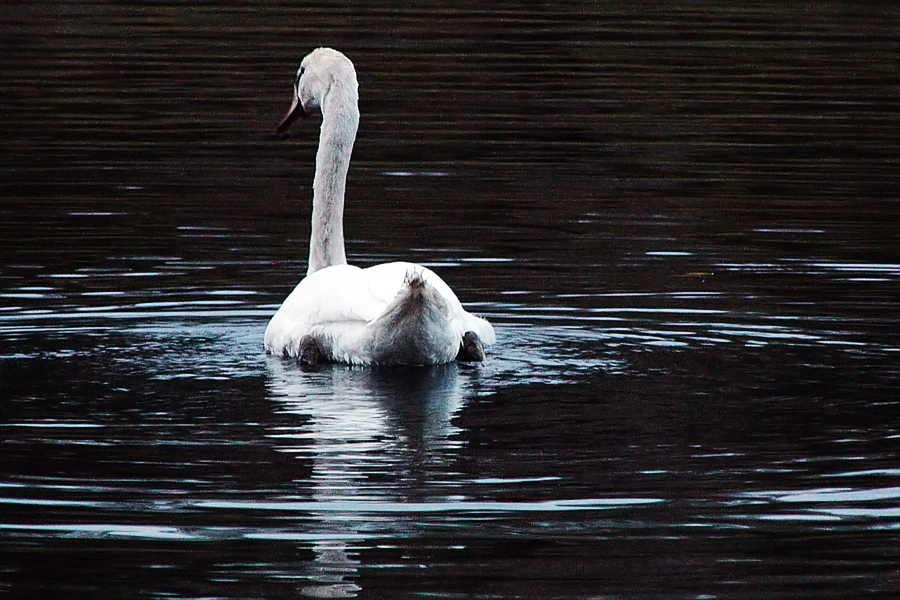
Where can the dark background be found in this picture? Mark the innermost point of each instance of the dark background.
(681, 218)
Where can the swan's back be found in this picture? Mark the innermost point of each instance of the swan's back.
(393, 313)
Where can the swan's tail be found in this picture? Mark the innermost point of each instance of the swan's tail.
(415, 327)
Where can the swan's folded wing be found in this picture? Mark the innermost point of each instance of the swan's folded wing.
(335, 294)
(330, 300)
(386, 280)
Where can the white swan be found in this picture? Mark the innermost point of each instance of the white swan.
(393, 313)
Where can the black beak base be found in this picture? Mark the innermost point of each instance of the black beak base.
(295, 112)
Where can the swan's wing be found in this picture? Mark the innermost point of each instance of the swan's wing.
(386, 280)
(334, 299)
(335, 294)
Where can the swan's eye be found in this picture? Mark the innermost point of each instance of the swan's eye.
(300, 73)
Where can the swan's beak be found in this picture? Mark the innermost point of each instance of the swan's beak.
(296, 112)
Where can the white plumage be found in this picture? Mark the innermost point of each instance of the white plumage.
(393, 313)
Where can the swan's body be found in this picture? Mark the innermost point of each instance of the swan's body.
(393, 313)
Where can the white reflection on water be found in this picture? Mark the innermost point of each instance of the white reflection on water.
(370, 434)
(382, 444)
(376, 506)
(831, 495)
(91, 530)
(888, 271)
(355, 410)
(826, 504)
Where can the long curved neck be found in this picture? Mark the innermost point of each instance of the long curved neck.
(340, 119)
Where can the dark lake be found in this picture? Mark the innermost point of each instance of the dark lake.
(681, 218)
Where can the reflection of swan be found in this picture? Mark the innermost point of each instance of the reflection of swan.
(328, 570)
(375, 438)
(393, 313)
(394, 411)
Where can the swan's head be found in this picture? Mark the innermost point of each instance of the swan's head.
(322, 74)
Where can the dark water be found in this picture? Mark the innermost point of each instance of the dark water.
(682, 220)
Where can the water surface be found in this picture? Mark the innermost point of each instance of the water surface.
(681, 221)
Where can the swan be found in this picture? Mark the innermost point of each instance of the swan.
(396, 313)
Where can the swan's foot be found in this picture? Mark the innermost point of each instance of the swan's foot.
(471, 350)
(308, 353)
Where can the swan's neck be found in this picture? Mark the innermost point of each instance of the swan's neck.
(340, 119)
